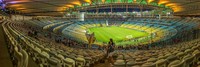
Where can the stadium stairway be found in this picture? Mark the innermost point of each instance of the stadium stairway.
(4, 55)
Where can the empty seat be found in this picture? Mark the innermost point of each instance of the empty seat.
(60, 56)
(69, 62)
(119, 63)
(80, 61)
(173, 63)
(18, 57)
(88, 61)
(149, 64)
(196, 54)
(176, 63)
(188, 51)
(130, 63)
(53, 62)
(188, 59)
(171, 58)
(161, 63)
(180, 55)
(43, 56)
(120, 57)
(152, 60)
(25, 58)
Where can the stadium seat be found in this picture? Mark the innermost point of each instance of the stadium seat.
(120, 57)
(120, 63)
(152, 60)
(69, 62)
(88, 61)
(180, 55)
(130, 63)
(148, 64)
(18, 57)
(25, 58)
(188, 59)
(80, 61)
(174, 63)
(171, 58)
(196, 53)
(161, 63)
(53, 62)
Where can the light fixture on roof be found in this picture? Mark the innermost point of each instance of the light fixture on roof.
(69, 5)
(163, 1)
(176, 8)
(76, 3)
(15, 5)
(170, 4)
(103, 1)
(149, 1)
(88, 1)
(14, 2)
(20, 8)
(64, 7)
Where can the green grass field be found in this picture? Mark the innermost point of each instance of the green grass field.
(118, 34)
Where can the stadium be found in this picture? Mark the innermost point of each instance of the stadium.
(100, 33)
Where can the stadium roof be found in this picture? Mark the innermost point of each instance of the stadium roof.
(57, 7)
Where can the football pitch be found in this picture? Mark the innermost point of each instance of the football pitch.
(118, 34)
